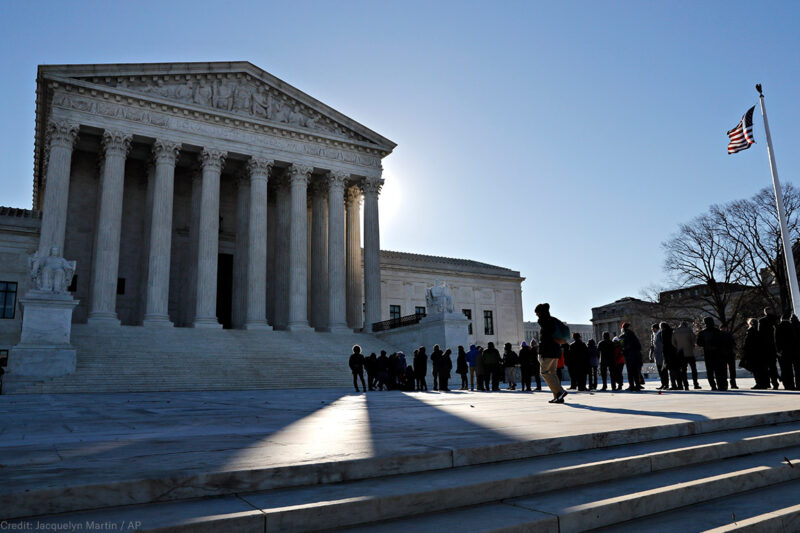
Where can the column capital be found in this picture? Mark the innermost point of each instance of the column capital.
(116, 142)
(62, 133)
(372, 187)
(213, 159)
(336, 179)
(259, 167)
(318, 187)
(352, 195)
(299, 173)
(166, 151)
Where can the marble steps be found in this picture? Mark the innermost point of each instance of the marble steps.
(132, 359)
(612, 503)
(773, 509)
(723, 462)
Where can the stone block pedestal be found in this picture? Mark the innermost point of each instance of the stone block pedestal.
(448, 330)
(44, 349)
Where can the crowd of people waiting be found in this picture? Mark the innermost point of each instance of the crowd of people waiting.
(768, 342)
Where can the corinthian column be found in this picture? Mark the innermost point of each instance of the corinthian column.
(105, 267)
(239, 307)
(372, 252)
(298, 262)
(257, 244)
(61, 137)
(208, 240)
(353, 246)
(165, 154)
(281, 278)
(319, 256)
(337, 289)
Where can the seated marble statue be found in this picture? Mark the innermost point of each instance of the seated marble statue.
(438, 298)
(52, 272)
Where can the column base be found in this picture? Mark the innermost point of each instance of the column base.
(103, 319)
(260, 325)
(157, 321)
(207, 323)
(299, 326)
(338, 328)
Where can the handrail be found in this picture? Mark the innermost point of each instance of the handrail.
(392, 323)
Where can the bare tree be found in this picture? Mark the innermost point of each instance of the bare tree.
(754, 226)
(700, 254)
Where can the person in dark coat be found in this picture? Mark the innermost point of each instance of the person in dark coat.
(657, 355)
(480, 369)
(594, 359)
(420, 368)
(632, 350)
(572, 370)
(673, 362)
(462, 369)
(786, 343)
(356, 364)
(436, 355)
(383, 372)
(510, 360)
(606, 349)
(712, 342)
(549, 352)
(579, 356)
(444, 367)
(751, 356)
(491, 362)
(371, 366)
(729, 354)
(526, 357)
(472, 361)
(769, 352)
(408, 382)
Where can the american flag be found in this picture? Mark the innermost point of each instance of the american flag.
(742, 135)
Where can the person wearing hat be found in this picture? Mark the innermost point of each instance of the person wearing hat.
(549, 352)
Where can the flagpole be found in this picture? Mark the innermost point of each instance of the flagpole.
(788, 256)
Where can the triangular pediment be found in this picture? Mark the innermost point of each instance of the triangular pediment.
(238, 88)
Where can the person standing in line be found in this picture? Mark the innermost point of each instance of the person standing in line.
(420, 368)
(356, 363)
(729, 354)
(480, 369)
(751, 355)
(461, 367)
(579, 355)
(619, 363)
(536, 370)
(383, 372)
(685, 341)
(672, 362)
(786, 343)
(371, 366)
(491, 359)
(766, 332)
(796, 358)
(594, 357)
(472, 357)
(606, 349)
(712, 342)
(436, 356)
(549, 352)
(657, 355)
(632, 350)
(510, 360)
(526, 366)
(445, 366)
(409, 382)
(566, 362)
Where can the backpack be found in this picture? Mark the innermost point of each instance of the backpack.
(561, 333)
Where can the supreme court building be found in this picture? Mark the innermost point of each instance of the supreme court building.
(211, 196)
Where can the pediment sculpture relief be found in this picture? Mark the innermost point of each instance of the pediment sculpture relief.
(245, 96)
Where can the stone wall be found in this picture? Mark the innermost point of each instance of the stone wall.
(19, 238)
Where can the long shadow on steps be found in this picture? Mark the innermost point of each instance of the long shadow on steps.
(622, 411)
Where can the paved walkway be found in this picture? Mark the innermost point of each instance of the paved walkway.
(52, 440)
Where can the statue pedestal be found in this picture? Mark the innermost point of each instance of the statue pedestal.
(448, 330)
(44, 349)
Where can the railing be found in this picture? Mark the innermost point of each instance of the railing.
(392, 323)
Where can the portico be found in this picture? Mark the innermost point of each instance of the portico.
(152, 177)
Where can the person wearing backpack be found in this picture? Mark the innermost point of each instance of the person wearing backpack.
(549, 351)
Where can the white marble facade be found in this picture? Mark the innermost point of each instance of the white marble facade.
(203, 194)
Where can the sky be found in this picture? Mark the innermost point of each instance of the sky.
(565, 140)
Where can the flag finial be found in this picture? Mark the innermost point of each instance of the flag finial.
(758, 88)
